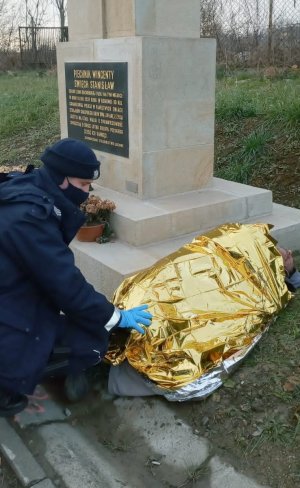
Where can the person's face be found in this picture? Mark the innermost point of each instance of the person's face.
(80, 183)
(287, 257)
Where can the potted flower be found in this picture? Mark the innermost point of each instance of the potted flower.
(97, 213)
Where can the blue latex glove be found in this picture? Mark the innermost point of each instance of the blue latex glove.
(130, 319)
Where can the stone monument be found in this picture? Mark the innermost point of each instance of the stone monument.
(137, 83)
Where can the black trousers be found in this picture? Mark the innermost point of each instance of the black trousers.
(72, 350)
(75, 350)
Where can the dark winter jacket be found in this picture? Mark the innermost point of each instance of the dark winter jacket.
(38, 279)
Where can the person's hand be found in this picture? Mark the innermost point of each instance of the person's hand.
(288, 261)
(135, 316)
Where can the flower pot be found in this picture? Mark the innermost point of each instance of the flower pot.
(89, 233)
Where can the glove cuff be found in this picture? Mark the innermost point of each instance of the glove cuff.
(114, 320)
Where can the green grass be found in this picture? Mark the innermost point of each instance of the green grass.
(282, 343)
(29, 116)
(234, 104)
(275, 431)
(257, 119)
(250, 154)
(26, 106)
(279, 352)
(194, 475)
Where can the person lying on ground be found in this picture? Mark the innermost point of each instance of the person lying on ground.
(45, 300)
(292, 275)
(212, 300)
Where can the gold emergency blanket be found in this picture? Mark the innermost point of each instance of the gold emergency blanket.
(209, 300)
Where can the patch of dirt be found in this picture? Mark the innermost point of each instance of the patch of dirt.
(281, 173)
(252, 429)
(283, 178)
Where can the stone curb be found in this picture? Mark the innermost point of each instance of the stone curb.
(78, 464)
(20, 459)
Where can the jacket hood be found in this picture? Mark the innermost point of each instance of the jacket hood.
(21, 188)
(39, 188)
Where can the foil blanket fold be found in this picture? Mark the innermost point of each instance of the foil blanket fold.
(211, 301)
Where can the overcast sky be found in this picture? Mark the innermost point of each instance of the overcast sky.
(51, 17)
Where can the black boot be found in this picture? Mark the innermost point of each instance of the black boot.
(12, 403)
(76, 387)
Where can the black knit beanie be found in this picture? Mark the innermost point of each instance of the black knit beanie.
(71, 157)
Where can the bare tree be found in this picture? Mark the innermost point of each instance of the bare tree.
(61, 6)
(270, 29)
(8, 21)
(209, 17)
(35, 12)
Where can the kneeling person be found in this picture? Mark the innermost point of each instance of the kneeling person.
(39, 216)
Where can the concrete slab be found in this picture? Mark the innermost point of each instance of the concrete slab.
(77, 461)
(133, 437)
(286, 221)
(41, 408)
(45, 484)
(133, 443)
(136, 442)
(225, 475)
(106, 265)
(194, 450)
(18, 456)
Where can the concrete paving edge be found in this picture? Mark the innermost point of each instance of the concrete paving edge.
(20, 459)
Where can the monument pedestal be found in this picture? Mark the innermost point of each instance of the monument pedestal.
(167, 110)
(137, 83)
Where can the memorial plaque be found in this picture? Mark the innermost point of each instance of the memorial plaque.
(97, 105)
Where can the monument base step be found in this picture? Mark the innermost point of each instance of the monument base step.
(141, 222)
(106, 265)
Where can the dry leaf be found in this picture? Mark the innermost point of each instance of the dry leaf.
(291, 383)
